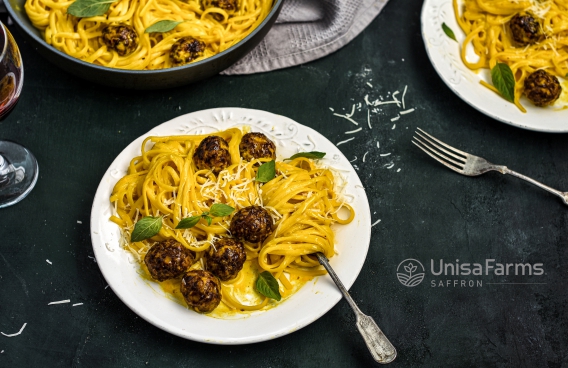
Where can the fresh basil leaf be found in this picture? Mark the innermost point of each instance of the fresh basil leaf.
(220, 210)
(312, 154)
(266, 171)
(448, 31)
(146, 228)
(188, 222)
(208, 219)
(504, 81)
(89, 8)
(163, 26)
(267, 285)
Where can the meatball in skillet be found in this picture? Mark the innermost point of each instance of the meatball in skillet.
(225, 258)
(256, 145)
(185, 50)
(201, 290)
(252, 224)
(168, 259)
(122, 38)
(213, 154)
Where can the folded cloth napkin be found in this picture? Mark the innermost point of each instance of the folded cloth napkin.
(307, 30)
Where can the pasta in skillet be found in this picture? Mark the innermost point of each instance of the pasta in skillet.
(118, 38)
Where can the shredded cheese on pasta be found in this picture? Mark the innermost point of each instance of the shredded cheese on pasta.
(302, 200)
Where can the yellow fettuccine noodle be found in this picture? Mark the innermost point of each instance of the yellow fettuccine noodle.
(485, 23)
(302, 200)
(82, 37)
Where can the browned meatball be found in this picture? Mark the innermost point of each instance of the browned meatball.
(525, 29)
(252, 224)
(228, 5)
(542, 88)
(212, 153)
(256, 145)
(168, 259)
(225, 258)
(201, 290)
(185, 50)
(122, 38)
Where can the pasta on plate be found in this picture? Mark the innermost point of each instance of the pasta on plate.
(527, 35)
(119, 37)
(189, 179)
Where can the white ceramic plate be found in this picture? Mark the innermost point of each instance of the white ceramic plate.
(444, 54)
(313, 300)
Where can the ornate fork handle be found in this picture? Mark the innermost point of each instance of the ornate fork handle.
(506, 170)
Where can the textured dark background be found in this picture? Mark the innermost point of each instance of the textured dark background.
(428, 212)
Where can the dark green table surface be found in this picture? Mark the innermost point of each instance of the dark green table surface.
(427, 213)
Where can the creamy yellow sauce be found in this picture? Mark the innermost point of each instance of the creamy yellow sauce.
(243, 289)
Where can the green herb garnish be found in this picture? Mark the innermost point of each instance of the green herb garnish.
(267, 285)
(188, 222)
(162, 26)
(89, 8)
(266, 172)
(504, 81)
(216, 210)
(146, 228)
(312, 154)
(448, 31)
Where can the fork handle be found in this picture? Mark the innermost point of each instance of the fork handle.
(506, 170)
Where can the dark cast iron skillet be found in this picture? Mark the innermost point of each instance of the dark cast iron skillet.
(141, 79)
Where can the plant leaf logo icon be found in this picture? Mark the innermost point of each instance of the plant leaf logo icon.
(410, 272)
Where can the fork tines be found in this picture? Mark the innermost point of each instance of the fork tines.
(440, 151)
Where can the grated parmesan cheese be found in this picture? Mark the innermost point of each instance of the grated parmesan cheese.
(15, 334)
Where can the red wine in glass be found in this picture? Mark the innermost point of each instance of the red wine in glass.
(18, 167)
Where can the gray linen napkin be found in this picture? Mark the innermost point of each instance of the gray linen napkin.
(307, 30)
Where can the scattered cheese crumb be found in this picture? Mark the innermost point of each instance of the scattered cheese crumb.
(355, 159)
(396, 118)
(60, 302)
(345, 141)
(354, 131)
(106, 287)
(331, 109)
(406, 111)
(76, 304)
(378, 145)
(48, 261)
(369, 119)
(376, 222)
(15, 334)
(79, 222)
(403, 94)
(398, 170)
(394, 126)
(385, 154)
(369, 84)
(346, 117)
(365, 155)
(389, 166)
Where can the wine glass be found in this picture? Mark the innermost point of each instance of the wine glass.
(18, 167)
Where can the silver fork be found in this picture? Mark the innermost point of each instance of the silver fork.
(468, 164)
